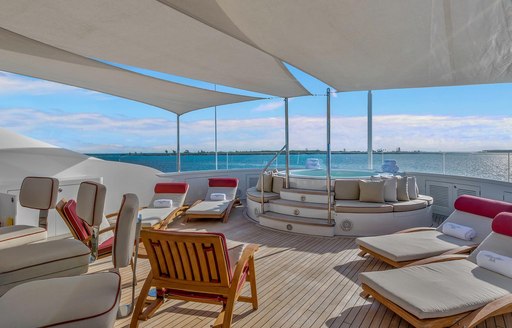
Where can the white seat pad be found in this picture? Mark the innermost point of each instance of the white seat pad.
(209, 207)
(87, 301)
(153, 216)
(413, 245)
(255, 195)
(439, 289)
(16, 235)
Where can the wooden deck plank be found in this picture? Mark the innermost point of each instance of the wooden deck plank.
(303, 281)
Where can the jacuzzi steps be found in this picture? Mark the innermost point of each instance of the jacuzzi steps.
(296, 208)
(305, 195)
(297, 224)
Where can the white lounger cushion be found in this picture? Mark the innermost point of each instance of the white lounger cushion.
(84, 301)
(481, 224)
(439, 289)
(153, 216)
(459, 231)
(56, 258)
(355, 206)
(217, 196)
(17, 235)
(162, 203)
(495, 262)
(229, 191)
(411, 246)
(209, 207)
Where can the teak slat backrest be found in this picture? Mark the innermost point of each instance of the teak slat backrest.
(188, 259)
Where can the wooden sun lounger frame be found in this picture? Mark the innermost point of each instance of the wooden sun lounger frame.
(468, 319)
(224, 215)
(458, 250)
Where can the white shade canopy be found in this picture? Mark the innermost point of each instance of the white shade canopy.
(370, 44)
(22, 55)
(149, 35)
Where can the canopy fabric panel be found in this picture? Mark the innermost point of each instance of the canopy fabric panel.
(369, 44)
(25, 56)
(149, 35)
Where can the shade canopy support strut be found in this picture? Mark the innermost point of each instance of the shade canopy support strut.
(287, 142)
(370, 130)
(328, 164)
(178, 152)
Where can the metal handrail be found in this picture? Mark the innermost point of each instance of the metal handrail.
(261, 178)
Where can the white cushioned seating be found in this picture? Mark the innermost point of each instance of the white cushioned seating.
(426, 198)
(255, 195)
(346, 189)
(209, 207)
(409, 205)
(412, 246)
(153, 216)
(39, 193)
(16, 235)
(83, 301)
(175, 191)
(439, 289)
(355, 206)
(56, 258)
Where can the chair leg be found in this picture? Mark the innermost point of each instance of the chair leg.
(228, 313)
(140, 302)
(252, 281)
(362, 253)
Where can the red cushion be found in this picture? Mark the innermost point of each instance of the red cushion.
(106, 246)
(223, 182)
(81, 230)
(482, 206)
(171, 188)
(502, 224)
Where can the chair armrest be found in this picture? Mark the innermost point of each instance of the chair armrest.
(437, 259)
(416, 229)
(106, 229)
(247, 253)
(461, 250)
(497, 307)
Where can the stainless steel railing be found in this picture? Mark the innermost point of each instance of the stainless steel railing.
(261, 178)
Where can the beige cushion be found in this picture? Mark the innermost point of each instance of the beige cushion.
(346, 189)
(277, 184)
(17, 235)
(234, 253)
(390, 189)
(496, 243)
(90, 202)
(124, 238)
(371, 191)
(267, 183)
(481, 224)
(230, 192)
(153, 216)
(412, 188)
(409, 205)
(255, 195)
(426, 198)
(209, 207)
(42, 260)
(402, 191)
(411, 246)
(177, 199)
(87, 301)
(439, 289)
(355, 206)
(39, 192)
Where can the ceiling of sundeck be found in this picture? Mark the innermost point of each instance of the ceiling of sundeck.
(21, 55)
(371, 44)
(149, 35)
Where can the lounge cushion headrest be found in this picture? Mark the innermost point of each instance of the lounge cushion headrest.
(171, 188)
(90, 202)
(223, 182)
(39, 193)
(481, 206)
(502, 224)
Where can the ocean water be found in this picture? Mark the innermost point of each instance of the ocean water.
(493, 166)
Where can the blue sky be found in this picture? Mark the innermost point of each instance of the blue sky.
(468, 118)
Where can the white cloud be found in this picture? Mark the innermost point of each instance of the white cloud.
(269, 106)
(12, 83)
(93, 132)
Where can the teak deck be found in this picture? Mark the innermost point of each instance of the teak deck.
(303, 281)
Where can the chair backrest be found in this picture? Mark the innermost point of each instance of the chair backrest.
(90, 202)
(177, 191)
(188, 260)
(500, 239)
(39, 193)
(226, 186)
(478, 213)
(78, 228)
(124, 237)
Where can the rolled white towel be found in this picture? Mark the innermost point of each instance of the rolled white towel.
(162, 203)
(495, 262)
(458, 231)
(217, 196)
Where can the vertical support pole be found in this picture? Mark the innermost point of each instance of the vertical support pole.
(328, 166)
(508, 176)
(370, 131)
(444, 163)
(178, 152)
(216, 153)
(287, 142)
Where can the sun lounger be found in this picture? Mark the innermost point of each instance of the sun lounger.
(447, 290)
(215, 209)
(410, 245)
(159, 217)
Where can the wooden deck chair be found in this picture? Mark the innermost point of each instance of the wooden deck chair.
(442, 292)
(198, 267)
(405, 247)
(211, 207)
(155, 216)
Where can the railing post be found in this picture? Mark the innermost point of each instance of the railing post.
(508, 176)
(444, 163)
(370, 131)
(178, 155)
(216, 153)
(328, 168)
(287, 143)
